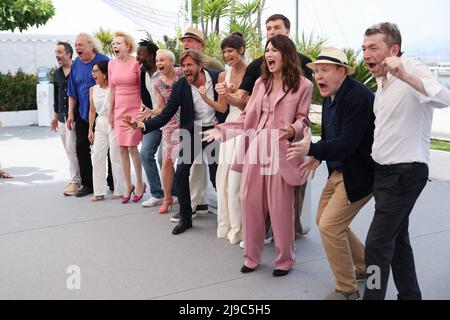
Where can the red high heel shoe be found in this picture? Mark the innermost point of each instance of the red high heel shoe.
(137, 198)
(166, 206)
(127, 198)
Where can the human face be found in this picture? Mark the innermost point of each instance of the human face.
(164, 63)
(121, 50)
(191, 70)
(274, 59)
(192, 44)
(375, 51)
(232, 56)
(276, 27)
(98, 75)
(329, 78)
(144, 57)
(83, 48)
(62, 56)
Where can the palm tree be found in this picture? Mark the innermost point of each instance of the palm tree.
(362, 73)
(106, 38)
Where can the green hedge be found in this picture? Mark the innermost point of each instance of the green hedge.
(18, 92)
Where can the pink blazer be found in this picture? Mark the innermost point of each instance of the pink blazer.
(290, 107)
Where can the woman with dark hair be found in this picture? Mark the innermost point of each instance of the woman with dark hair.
(104, 138)
(228, 182)
(275, 115)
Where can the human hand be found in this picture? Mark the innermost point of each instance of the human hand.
(91, 136)
(70, 121)
(395, 67)
(308, 168)
(54, 125)
(203, 93)
(144, 114)
(130, 124)
(211, 135)
(286, 131)
(300, 148)
(111, 119)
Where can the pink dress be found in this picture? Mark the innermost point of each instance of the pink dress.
(125, 78)
(170, 141)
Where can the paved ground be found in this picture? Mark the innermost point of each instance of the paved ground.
(128, 252)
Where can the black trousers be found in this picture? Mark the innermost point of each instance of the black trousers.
(396, 189)
(84, 152)
(184, 166)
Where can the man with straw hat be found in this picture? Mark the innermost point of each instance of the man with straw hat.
(347, 137)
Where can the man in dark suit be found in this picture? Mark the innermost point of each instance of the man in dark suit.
(196, 116)
(347, 137)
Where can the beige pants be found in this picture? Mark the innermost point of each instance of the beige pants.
(344, 250)
(69, 138)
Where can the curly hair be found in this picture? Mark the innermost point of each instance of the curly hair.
(129, 41)
(148, 43)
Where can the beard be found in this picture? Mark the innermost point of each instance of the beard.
(195, 76)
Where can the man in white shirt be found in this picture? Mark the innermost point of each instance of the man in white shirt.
(407, 93)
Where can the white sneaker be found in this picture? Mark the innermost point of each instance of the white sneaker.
(152, 202)
(267, 241)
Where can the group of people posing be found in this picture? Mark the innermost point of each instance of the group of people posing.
(250, 126)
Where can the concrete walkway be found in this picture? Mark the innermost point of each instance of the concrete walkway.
(128, 252)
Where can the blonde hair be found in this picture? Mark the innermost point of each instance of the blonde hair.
(129, 41)
(168, 53)
(93, 42)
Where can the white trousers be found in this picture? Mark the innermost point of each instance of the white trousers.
(228, 182)
(104, 140)
(198, 182)
(69, 141)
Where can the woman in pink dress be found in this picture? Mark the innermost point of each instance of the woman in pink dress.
(124, 80)
(165, 61)
(275, 115)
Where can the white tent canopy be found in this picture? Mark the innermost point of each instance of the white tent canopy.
(28, 52)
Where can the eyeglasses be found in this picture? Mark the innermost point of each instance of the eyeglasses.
(95, 70)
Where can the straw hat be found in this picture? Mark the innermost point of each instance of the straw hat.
(332, 56)
(195, 34)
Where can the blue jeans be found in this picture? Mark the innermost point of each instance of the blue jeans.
(150, 144)
(149, 148)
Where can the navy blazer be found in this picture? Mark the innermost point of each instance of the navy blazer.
(181, 96)
(355, 123)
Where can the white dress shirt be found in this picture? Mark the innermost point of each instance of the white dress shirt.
(204, 115)
(149, 84)
(404, 116)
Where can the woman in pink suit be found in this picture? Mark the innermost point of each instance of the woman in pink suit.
(275, 115)
(124, 72)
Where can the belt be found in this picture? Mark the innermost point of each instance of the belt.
(399, 166)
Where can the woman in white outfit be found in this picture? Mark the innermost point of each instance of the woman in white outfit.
(104, 138)
(229, 213)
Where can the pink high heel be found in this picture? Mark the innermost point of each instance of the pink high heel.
(137, 198)
(127, 198)
(166, 206)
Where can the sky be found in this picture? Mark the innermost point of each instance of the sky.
(425, 25)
